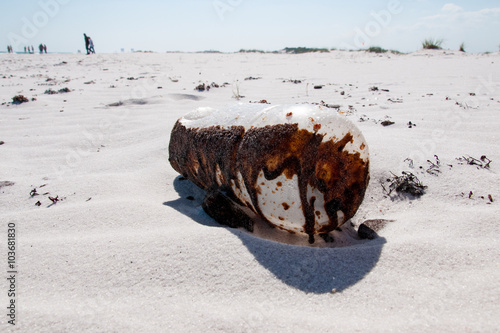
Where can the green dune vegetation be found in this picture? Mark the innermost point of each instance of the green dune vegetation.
(432, 44)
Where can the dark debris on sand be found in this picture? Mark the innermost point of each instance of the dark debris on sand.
(406, 183)
(206, 87)
(19, 99)
(369, 228)
(6, 183)
(365, 232)
(387, 123)
(60, 91)
(483, 162)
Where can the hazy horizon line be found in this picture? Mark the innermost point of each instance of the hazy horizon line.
(281, 51)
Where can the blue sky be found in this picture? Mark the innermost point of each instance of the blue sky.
(230, 25)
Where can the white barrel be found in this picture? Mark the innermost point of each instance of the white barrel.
(302, 168)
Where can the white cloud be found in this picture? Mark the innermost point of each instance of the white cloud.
(453, 16)
(451, 8)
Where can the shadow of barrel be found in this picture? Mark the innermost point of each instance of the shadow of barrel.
(309, 269)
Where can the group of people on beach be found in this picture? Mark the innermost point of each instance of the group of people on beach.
(42, 48)
(89, 44)
(29, 49)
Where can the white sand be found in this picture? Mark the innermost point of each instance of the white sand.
(125, 251)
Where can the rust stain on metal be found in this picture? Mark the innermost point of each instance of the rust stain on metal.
(283, 149)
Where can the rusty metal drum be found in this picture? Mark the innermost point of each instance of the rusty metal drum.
(301, 168)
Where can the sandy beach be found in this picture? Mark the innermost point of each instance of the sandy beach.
(109, 238)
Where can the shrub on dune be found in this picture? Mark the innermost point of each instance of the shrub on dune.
(376, 49)
(432, 44)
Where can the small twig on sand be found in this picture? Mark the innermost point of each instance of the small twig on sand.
(483, 162)
(434, 167)
(236, 94)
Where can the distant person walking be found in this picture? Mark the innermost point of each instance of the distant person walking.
(89, 44)
(45, 48)
(40, 47)
(86, 43)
